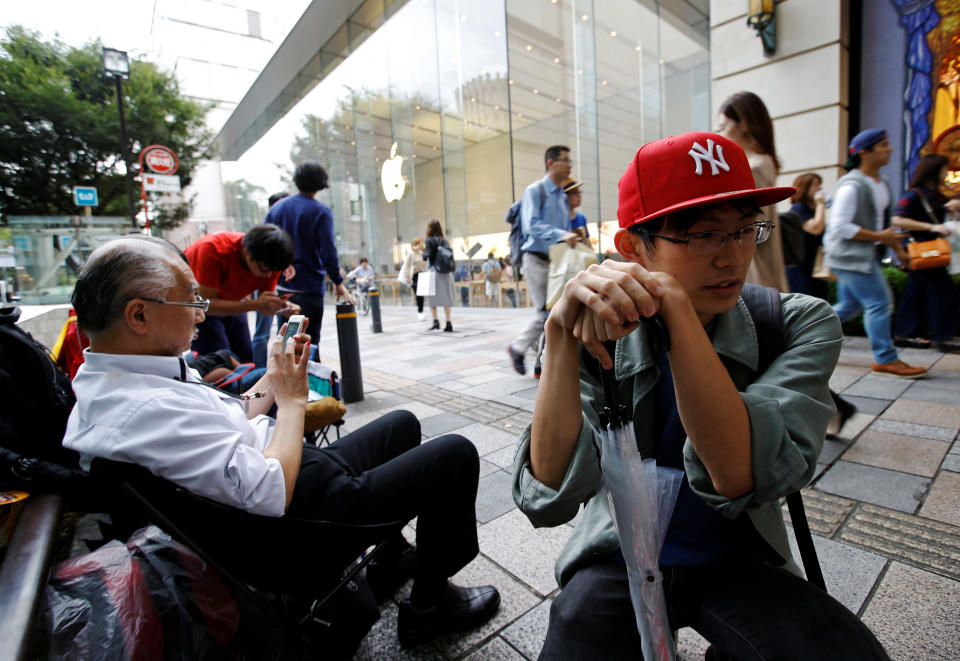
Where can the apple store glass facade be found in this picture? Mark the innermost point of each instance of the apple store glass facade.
(443, 108)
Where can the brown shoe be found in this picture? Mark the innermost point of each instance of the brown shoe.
(900, 369)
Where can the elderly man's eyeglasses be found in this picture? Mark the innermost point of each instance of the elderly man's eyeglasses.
(713, 241)
(201, 303)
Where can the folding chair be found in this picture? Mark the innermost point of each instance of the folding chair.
(324, 382)
(252, 553)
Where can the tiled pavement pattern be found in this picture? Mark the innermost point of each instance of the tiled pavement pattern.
(884, 507)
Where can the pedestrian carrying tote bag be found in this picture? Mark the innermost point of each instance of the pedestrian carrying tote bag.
(566, 262)
(427, 284)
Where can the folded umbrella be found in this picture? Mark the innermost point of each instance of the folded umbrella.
(642, 496)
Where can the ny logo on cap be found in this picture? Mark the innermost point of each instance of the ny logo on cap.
(699, 154)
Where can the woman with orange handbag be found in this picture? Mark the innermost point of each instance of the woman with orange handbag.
(921, 211)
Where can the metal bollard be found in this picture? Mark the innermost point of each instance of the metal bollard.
(373, 296)
(350, 375)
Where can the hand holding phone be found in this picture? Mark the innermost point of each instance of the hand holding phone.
(294, 326)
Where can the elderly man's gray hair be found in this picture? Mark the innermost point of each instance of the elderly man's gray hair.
(120, 270)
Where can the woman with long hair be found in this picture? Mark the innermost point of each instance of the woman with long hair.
(809, 203)
(745, 120)
(444, 289)
(921, 211)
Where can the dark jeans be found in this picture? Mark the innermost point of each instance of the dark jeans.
(311, 305)
(224, 332)
(416, 278)
(747, 610)
(930, 289)
(381, 473)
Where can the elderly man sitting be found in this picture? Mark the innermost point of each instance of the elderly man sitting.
(138, 402)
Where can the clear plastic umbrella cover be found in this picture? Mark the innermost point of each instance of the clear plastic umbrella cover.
(642, 496)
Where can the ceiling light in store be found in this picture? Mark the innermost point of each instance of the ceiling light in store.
(496, 107)
(353, 142)
(536, 91)
(638, 48)
(528, 47)
(553, 2)
(579, 72)
(417, 107)
(510, 82)
(558, 99)
(473, 99)
(556, 60)
(661, 60)
(519, 114)
(414, 156)
(497, 34)
(347, 127)
(584, 17)
(603, 82)
(613, 33)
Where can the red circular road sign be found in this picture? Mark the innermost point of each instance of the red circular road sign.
(160, 159)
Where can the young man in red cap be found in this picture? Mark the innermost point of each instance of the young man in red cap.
(859, 223)
(690, 222)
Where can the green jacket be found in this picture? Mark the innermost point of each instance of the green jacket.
(789, 407)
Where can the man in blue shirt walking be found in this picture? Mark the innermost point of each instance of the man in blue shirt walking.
(310, 223)
(545, 219)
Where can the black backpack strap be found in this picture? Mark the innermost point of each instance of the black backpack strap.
(764, 306)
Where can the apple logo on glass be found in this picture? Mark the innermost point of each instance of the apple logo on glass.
(391, 178)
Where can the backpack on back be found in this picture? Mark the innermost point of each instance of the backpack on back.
(444, 262)
(516, 230)
(35, 400)
(791, 226)
(494, 274)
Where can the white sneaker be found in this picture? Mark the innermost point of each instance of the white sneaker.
(420, 317)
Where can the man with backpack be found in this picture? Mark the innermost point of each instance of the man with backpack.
(544, 220)
(491, 277)
(669, 332)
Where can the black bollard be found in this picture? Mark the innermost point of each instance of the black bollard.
(350, 375)
(373, 296)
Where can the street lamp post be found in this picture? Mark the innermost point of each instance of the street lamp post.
(116, 65)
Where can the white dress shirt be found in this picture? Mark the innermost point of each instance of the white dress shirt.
(156, 412)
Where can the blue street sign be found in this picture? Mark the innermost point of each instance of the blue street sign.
(85, 196)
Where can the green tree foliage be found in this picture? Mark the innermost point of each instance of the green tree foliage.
(60, 127)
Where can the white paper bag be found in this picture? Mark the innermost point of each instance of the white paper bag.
(566, 262)
(427, 284)
(954, 239)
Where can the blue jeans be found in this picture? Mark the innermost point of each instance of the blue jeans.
(261, 335)
(870, 293)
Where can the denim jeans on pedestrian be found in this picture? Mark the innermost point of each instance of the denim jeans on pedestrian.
(261, 335)
(870, 293)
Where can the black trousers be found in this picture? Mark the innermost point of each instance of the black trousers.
(747, 610)
(381, 473)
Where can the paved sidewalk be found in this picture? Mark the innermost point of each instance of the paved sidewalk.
(885, 504)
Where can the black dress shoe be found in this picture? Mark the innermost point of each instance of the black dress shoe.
(459, 609)
(948, 346)
(845, 411)
(912, 342)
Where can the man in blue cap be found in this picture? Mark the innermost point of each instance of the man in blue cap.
(859, 223)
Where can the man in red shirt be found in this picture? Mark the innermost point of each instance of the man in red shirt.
(229, 266)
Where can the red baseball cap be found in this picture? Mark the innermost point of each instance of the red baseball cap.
(689, 170)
